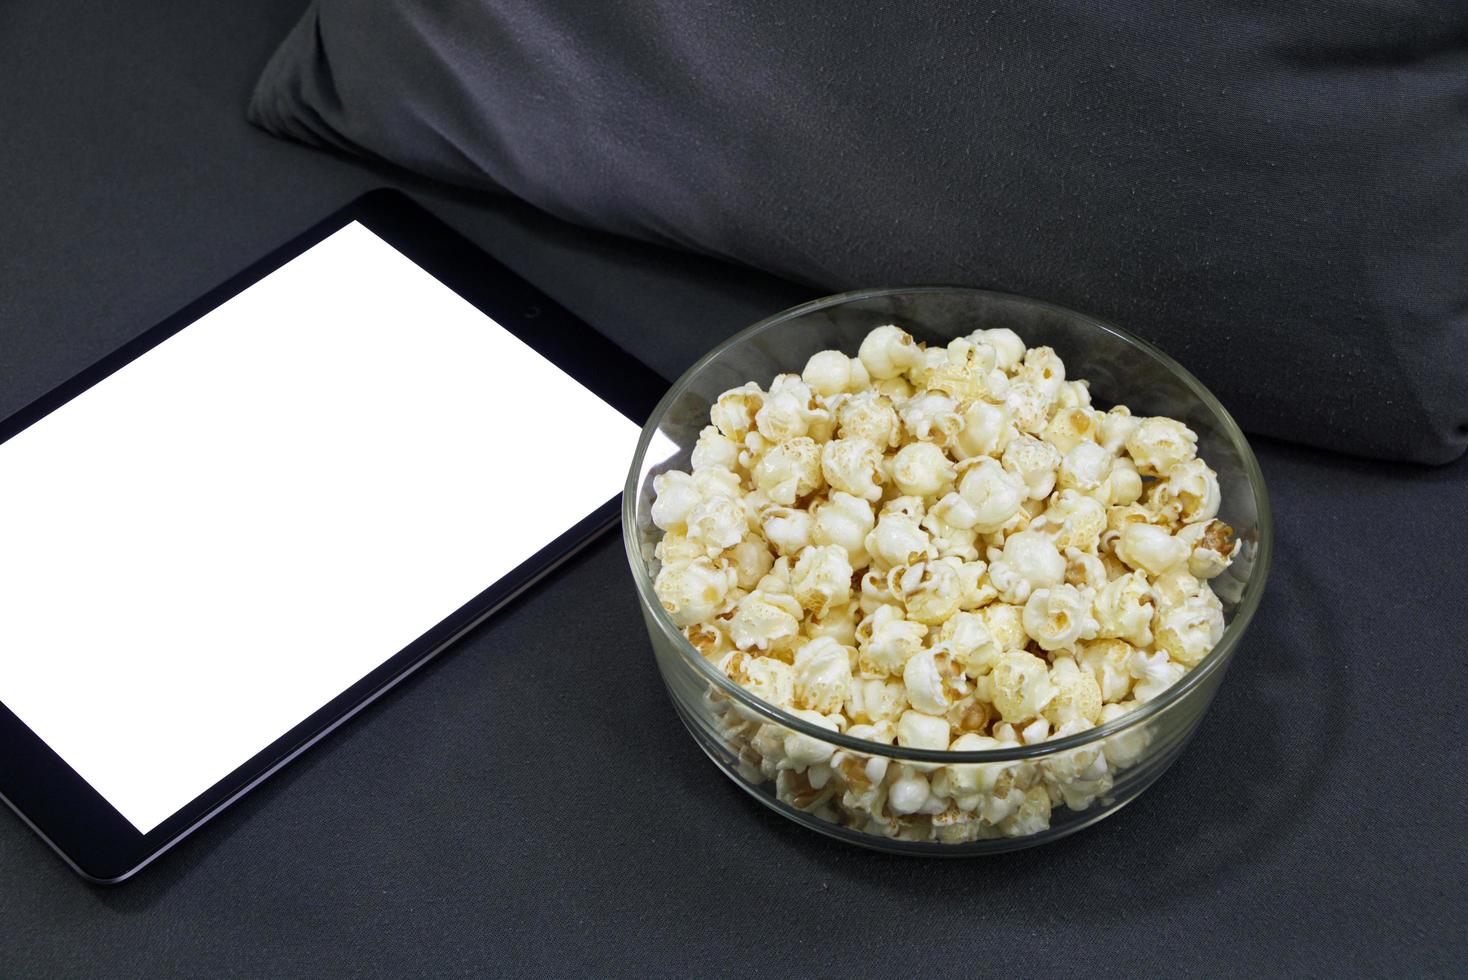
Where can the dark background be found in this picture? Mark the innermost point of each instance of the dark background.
(531, 804)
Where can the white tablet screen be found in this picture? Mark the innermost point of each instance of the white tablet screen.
(209, 545)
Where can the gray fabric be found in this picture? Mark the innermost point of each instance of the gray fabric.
(1277, 194)
(531, 806)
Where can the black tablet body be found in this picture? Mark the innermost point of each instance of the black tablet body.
(228, 537)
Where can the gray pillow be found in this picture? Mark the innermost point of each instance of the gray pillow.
(1276, 194)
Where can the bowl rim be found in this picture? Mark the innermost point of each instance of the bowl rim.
(1215, 661)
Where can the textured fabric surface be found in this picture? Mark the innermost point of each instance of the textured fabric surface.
(529, 805)
(1277, 194)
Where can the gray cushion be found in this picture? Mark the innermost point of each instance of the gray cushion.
(1275, 194)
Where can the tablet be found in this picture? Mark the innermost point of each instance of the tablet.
(234, 533)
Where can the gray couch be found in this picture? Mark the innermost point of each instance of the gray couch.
(530, 804)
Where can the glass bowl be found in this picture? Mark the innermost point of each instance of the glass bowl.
(1084, 777)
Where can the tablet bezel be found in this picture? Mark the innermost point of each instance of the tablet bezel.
(52, 798)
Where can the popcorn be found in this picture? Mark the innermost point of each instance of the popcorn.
(676, 495)
(1213, 549)
(1021, 685)
(896, 540)
(969, 713)
(967, 783)
(969, 370)
(947, 541)
(1123, 485)
(889, 351)
(1071, 427)
(1115, 567)
(1124, 749)
(926, 682)
(869, 415)
(1077, 701)
(884, 733)
(881, 544)
(769, 742)
(1085, 570)
(1154, 673)
(931, 416)
(762, 619)
(1074, 520)
(750, 560)
(993, 494)
(1189, 495)
(1005, 624)
(1172, 587)
(1084, 467)
(875, 592)
(844, 519)
(978, 591)
(1109, 661)
(1190, 630)
(998, 806)
(755, 446)
(1117, 426)
(930, 591)
(1029, 406)
(854, 466)
(733, 413)
(1056, 618)
(1035, 462)
(1159, 444)
(790, 470)
(838, 623)
(916, 730)
(768, 679)
(1035, 732)
(1077, 777)
(1032, 816)
(885, 640)
(922, 470)
(795, 788)
(802, 751)
(1029, 561)
(755, 504)
(831, 372)
(1043, 369)
(1009, 349)
(694, 591)
(777, 580)
(1019, 522)
(907, 506)
(1073, 394)
(789, 409)
(676, 549)
(709, 639)
(823, 675)
(1150, 548)
(789, 530)
(1117, 518)
(898, 389)
(953, 826)
(712, 451)
(1123, 609)
(967, 641)
(909, 792)
(717, 523)
(876, 699)
(986, 429)
(822, 578)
